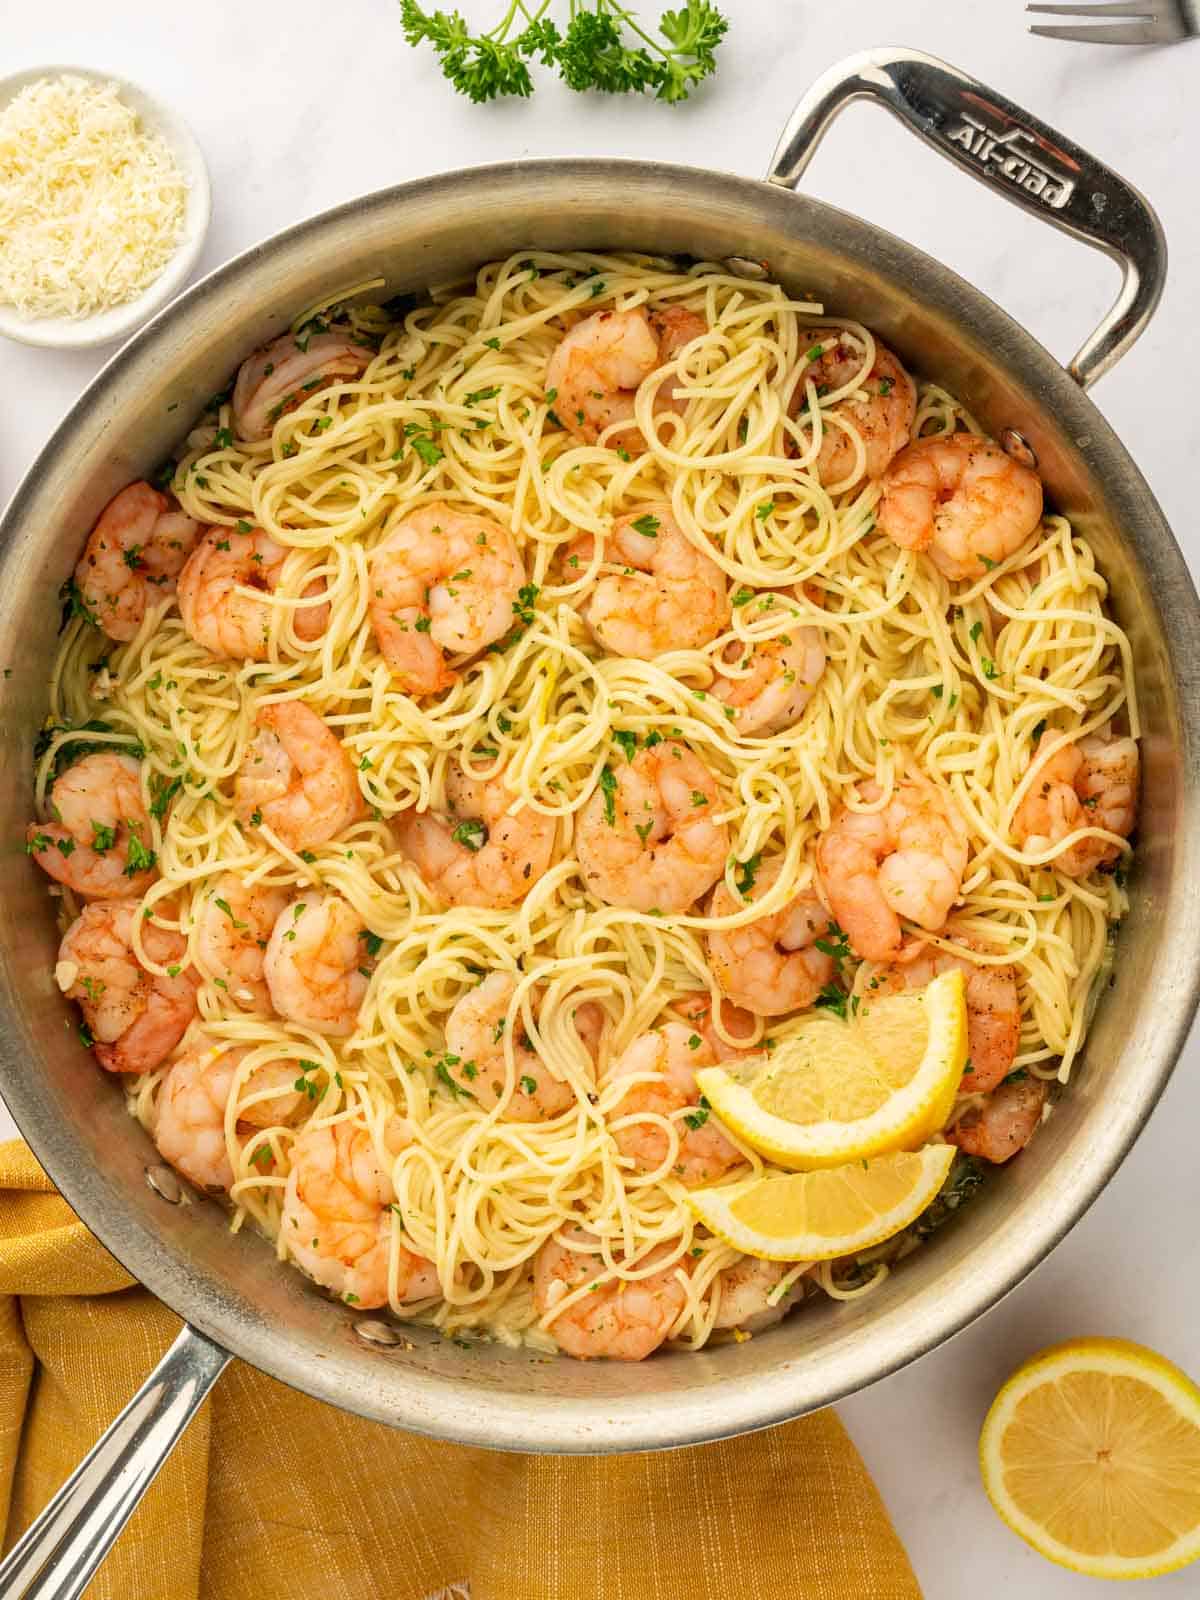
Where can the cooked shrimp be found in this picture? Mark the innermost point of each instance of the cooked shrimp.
(316, 964)
(135, 1017)
(769, 682)
(216, 612)
(590, 1022)
(132, 558)
(880, 411)
(773, 964)
(623, 1319)
(646, 838)
(443, 582)
(1092, 783)
(961, 499)
(476, 1058)
(483, 853)
(281, 375)
(667, 596)
(697, 1011)
(1004, 1123)
(296, 778)
(336, 1221)
(99, 846)
(189, 1125)
(599, 365)
(993, 1007)
(673, 1053)
(906, 860)
(232, 930)
(750, 1299)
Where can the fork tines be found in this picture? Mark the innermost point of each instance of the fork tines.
(1119, 22)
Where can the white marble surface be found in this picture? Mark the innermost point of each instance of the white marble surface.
(301, 105)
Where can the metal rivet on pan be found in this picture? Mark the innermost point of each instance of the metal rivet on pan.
(1018, 447)
(165, 1184)
(377, 1332)
(743, 267)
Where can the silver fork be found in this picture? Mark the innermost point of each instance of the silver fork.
(1124, 21)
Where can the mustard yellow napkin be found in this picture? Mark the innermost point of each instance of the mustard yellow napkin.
(271, 1494)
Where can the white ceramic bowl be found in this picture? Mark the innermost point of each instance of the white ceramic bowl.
(67, 333)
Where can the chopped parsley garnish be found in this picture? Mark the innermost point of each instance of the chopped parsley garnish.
(836, 947)
(528, 1084)
(307, 1085)
(524, 603)
(749, 871)
(223, 905)
(697, 1119)
(139, 859)
(477, 395)
(373, 942)
(103, 837)
(441, 1069)
(608, 787)
(647, 526)
(472, 833)
(765, 510)
(627, 740)
(163, 791)
(833, 998)
(429, 452)
(741, 597)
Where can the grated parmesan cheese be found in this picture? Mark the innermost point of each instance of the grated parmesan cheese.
(91, 206)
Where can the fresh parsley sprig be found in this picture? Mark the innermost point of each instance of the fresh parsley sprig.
(604, 47)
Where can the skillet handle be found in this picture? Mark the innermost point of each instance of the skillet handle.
(57, 1556)
(1011, 152)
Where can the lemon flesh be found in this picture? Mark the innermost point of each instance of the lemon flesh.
(838, 1090)
(816, 1216)
(1091, 1452)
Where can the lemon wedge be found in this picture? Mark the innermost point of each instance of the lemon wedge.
(1091, 1452)
(838, 1090)
(815, 1216)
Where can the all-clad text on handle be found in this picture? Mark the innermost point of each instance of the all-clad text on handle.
(1012, 152)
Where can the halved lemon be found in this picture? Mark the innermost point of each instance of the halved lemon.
(1091, 1452)
(844, 1089)
(814, 1216)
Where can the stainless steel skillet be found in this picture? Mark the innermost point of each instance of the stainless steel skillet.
(231, 1294)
